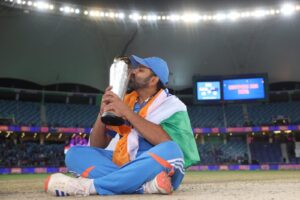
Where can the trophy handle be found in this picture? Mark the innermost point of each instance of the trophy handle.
(110, 118)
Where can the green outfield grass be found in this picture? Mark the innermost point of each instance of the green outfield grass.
(196, 177)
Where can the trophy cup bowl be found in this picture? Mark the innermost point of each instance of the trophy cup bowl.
(119, 75)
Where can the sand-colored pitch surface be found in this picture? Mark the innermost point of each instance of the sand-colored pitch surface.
(268, 185)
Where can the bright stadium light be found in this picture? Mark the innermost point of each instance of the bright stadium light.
(41, 5)
(94, 13)
(287, 9)
(258, 13)
(190, 17)
(219, 17)
(111, 15)
(175, 17)
(272, 12)
(151, 17)
(135, 16)
(187, 17)
(66, 9)
(233, 15)
(121, 15)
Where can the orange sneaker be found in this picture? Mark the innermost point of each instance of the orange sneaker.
(161, 184)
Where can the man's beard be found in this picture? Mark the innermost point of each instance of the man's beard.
(135, 84)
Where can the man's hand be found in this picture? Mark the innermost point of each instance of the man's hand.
(111, 102)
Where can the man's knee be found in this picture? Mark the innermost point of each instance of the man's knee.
(168, 149)
(72, 155)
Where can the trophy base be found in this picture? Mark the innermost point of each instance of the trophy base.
(109, 118)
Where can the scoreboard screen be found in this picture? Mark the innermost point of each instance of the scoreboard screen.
(244, 89)
(208, 90)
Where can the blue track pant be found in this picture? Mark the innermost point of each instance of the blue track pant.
(110, 179)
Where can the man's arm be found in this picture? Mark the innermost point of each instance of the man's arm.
(150, 131)
(98, 137)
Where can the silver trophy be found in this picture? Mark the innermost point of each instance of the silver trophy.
(119, 75)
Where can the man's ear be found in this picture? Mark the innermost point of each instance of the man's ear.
(154, 80)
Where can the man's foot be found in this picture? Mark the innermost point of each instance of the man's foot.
(61, 185)
(161, 184)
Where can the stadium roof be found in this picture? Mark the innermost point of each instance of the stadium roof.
(49, 48)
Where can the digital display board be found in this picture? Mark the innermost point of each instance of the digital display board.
(208, 90)
(244, 89)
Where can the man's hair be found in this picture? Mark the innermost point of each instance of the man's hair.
(160, 85)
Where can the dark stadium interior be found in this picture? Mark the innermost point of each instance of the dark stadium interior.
(54, 69)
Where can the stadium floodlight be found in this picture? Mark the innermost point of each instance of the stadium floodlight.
(111, 15)
(174, 17)
(233, 15)
(288, 9)
(29, 3)
(219, 17)
(259, 13)
(23, 2)
(151, 17)
(163, 17)
(94, 13)
(245, 14)
(67, 9)
(135, 16)
(19, 1)
(41, 5)
(190, 17)
(121, 15)
(272, 12)
(206, 17)
(86, 12)
(77, 11)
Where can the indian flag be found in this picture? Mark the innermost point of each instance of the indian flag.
(168, 111)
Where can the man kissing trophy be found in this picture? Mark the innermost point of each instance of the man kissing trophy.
(119, 76)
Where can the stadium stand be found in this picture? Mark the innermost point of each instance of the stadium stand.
(30, 154)
(215, 151)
